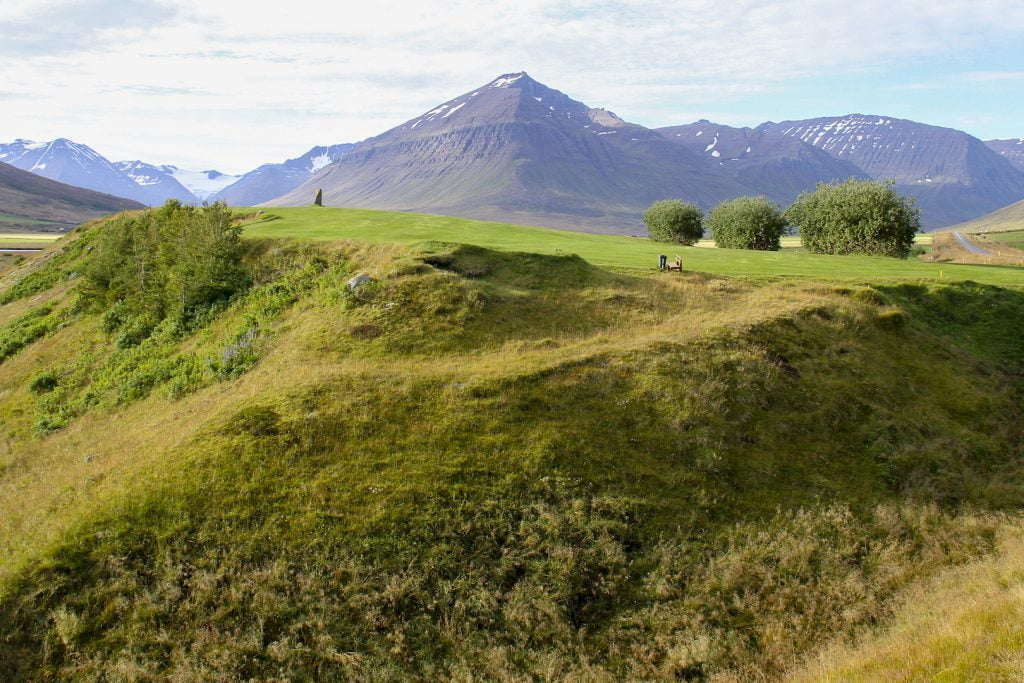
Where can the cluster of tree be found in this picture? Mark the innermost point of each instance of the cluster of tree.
(171, 262)
(853, 217)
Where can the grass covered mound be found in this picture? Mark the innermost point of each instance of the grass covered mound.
(495, 464)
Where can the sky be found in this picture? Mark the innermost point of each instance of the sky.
(234, 84)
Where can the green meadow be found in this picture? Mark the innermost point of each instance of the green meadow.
(620, 253)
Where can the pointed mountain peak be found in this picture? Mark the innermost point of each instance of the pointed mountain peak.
(517, 80)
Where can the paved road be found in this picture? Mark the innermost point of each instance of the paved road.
(970, 246)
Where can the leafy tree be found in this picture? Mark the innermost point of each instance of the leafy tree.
(747, 223)
(169, 262)
(673, 220)
(856, 217)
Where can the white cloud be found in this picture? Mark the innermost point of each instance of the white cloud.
(236, 84)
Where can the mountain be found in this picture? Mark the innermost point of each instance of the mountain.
(1012, 149)
(518, 151)
(75, 164)
(34, 198)
(778, 166)
(273, 180)
(177, 183)
(953, 175)
(155, 181)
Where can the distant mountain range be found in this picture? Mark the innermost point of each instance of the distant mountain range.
(1012, 149)
(29, 201)
(954, 176)
(780, 166)
(273, 180)
(518, 151)
(76, 164)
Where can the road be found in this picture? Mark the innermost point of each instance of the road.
(970, 246)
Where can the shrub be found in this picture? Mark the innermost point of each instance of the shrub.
(171, 262)
(42, 383)
(673, 220)
(747, 223)
(856, 217)
(34, 324)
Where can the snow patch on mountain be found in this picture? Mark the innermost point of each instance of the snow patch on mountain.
(203, 184)
(318, 162)
(505, 81)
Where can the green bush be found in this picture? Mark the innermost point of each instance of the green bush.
(747, 223)
(171, 262)
(34, 324)
(42, 383)
(673, 220)
(856, 217)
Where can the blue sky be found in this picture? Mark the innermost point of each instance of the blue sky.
(233, 84)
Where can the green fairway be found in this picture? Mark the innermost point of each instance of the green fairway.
(1012, 238)
(632, 253)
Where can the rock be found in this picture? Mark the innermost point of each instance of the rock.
(359, 280)
(319, 199)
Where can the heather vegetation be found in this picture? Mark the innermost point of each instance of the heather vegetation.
(485, 462)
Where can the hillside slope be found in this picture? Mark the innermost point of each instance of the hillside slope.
(487, 463)
(24, 195)
(516, 150)
(1007, 218)
(953, 175)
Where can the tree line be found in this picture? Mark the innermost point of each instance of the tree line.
(852, 217)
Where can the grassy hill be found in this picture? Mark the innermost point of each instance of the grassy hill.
(1007, 218)
(496, 459)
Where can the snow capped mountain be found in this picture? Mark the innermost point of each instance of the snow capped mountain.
(779, 166)
(516, 150)
(74, 164)
(273, 180)
(953, 175)
(202, 184)
(156, 181)
(175, 182)
(81, 166)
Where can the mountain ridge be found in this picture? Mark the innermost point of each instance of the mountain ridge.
(36, 198)
(953, 175)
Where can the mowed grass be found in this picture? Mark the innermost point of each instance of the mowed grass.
(620, 253)
(1012, 238)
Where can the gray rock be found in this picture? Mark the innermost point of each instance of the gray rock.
(359, 280)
